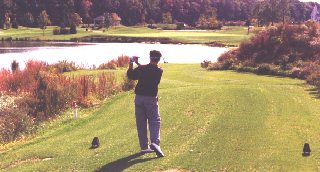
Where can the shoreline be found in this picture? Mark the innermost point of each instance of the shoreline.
(117, 39)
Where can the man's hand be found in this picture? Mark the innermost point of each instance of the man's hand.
(136, 60)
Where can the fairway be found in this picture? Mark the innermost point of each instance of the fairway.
(211, 121)
(231, 35)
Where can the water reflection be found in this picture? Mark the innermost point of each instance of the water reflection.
(24, 46)
(39, 44)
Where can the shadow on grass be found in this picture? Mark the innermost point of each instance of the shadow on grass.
(314, 92)
(124, 163)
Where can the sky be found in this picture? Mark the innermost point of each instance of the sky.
(310, 1)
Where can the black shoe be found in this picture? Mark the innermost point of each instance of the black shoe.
(157, 149)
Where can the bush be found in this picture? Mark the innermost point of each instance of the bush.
(246, 69)
(215, 66)
(46, 94)
(314, 79)
(123, 61)
(15, 24)
(73, 29)
(228, 60)
(296, 72)
(56, 31)
(314, 74)
(234, 23)
(15, 66)
(106, 85)
(64, 66)
(308, 69)
(167, 26)
(52, 94)
(128, 84)
(14, 124)
(12, 82)
(205, 64)
(285, 50)
(64, 31)
(110, 65)
(276, 44)
(264, 69)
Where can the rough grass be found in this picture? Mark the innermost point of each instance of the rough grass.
(211, 121)
(119, 73)
(228, 36)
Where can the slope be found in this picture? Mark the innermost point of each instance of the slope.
(211, 121)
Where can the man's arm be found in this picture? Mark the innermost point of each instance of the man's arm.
(132, 73)
(160, 76)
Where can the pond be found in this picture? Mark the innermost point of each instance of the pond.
(88, 54)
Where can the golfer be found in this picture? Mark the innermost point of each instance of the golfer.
(146, 102)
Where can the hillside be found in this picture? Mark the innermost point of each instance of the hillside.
(211, 120)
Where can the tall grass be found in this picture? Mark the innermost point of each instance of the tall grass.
(121, 62)
(45, 92)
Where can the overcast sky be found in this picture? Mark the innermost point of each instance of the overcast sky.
(310, 1)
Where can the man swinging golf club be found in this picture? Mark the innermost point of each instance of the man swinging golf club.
(146, 101)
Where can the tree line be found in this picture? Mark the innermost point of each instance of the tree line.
(66, 13)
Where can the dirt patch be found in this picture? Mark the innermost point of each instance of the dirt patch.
(28, 160)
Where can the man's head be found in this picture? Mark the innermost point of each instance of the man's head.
(155, 56)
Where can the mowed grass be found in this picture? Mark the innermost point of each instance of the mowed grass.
(211, 121)
(228, 36)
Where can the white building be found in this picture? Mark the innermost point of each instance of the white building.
(315, 15)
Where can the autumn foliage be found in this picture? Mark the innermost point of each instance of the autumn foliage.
(42, 92)
(284, 50)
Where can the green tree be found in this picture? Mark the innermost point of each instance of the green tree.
(83, 7)
(271, 11)
(6, 8)
(28, 20)
(152, 10)
(67, 10)
(43, 21)
(74, 20)
(7, 21)
(54, 11)
(167, 18)
(284, 11)
(273, 7)
(202, 22)
(132, 12)
(107, 20)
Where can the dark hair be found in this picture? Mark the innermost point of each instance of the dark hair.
(155, 55)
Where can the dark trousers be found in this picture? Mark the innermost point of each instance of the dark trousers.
(147, 112)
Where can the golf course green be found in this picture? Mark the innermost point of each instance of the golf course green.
(211, 121)
(231, 35)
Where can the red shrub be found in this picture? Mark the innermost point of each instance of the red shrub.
(106, 85)
(45, 95)
(32, 73)
(123, 61)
